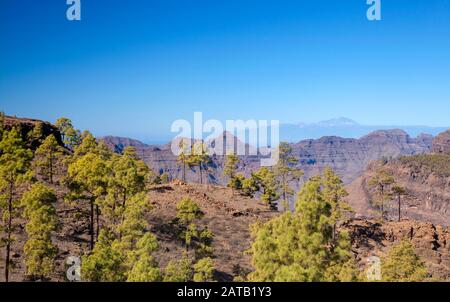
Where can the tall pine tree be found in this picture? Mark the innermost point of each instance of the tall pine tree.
(300, 246)
(286, 172)
(104, 263)
(381, 182)
(89, 176)
(15, 162)
(42, 220)
(229, 170)
(47, 157)
(70, 136)
(144, 266)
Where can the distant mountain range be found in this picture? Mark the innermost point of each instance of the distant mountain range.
(342, 127)
(347, 156)
(345, 127)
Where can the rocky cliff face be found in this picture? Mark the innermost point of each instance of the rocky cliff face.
(26, 126)
(426, 179)
(348, 157)
(427, 194)
(119, 143)
(441, 143)
(431, 242)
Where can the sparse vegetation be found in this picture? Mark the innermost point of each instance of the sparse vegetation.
(429, 163)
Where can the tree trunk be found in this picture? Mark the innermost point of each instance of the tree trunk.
(201, 178)
(124, 201)
(399, 208)
(8, 243)
(91, 225)
(184, 172)
(51, 169)
(382, 202)
(97, 212)
(334, 232)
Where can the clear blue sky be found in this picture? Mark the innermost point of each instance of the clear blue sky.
(132, 67)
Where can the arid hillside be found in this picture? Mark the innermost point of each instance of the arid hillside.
(229, 218)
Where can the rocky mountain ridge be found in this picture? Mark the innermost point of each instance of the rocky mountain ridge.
(347, 156)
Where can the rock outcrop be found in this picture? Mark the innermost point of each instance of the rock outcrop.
(431, 242)
(426, 178)
(26, 126)
(441, 143)
(349, 157)
(119, 143)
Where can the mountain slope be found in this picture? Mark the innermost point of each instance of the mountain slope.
(426, 178)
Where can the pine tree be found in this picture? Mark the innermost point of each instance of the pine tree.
(205, 248)
(134, 223)
(144, 266)
(15, 163)
(381, 181)
(87, 145)
(334, 191)
(179, 270)
(285, 171)
(187, 212)
(103, 263)
(300, 246)
(130, 176)
(266, 180)
(135, 243)
(47, 157)
(204, 270)
(200, 158)
(39, 250)
(70, 137)
(184, 156)
(89, 174)
(229, 170)
(249, 186)
(36, 135)
(402, 264)
(399, 191)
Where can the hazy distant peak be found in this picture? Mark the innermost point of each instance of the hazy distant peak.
(338, 122)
